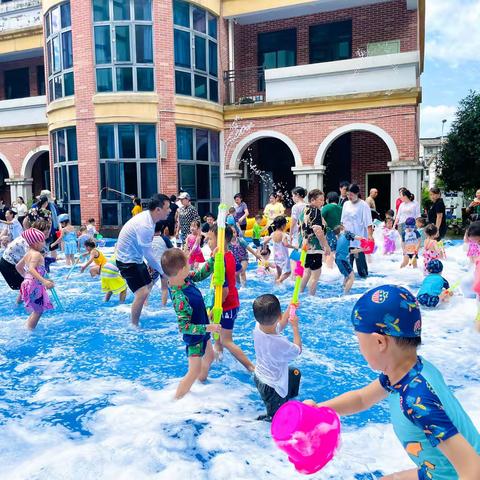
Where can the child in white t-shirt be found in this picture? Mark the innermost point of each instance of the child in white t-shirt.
(160, 244)
(275, 380)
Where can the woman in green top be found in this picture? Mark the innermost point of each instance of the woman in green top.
(332, 213)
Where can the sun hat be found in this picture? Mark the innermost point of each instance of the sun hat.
(63, 217)
(32, 236)
(184, 195)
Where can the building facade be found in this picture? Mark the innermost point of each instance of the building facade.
(101, 99)
(430, 149)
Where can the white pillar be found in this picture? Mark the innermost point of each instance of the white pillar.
(309, 177)
(406, 174)
(20, 187)
(231, 185)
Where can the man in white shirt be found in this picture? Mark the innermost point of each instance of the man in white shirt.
(134, 244)
(357, 219)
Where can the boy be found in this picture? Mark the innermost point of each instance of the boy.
(91, 230)
(209, 221)
(275, 380)
(342, 255)
(160, 244)
(410, 243)
(231, 302)
(421, 223)
(434, 287)
(192, 319)
(424, 413)
(257, 230)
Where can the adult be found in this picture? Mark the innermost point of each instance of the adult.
(137, 206)
(343, 189)
(241, 211)
(298, 196)
(409, 208)
(51, 206)
(473, 210)
(134, 244)
(332, 214)
(186, 214)
(272, 210)
(399, 200)
(371, 203)
(12, 228)
(168, 225)
(437, 213)
(21, 208)
(357, 219)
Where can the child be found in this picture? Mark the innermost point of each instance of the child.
(137, 202)
(410, 243)
(91, 230)
(33, 290)
(473, 235)
(192, 319)
(342, 257)
(193, 245)
(209, 219)
(473, 249)
(389, 236)
(240, 248)
(83, 236)
(96, 256)
(421, 223)
(264, 265)
(275, 380)
(257, 230)
(434, 287)
(428, 420)
(230, 220)
(431, 248)
(231, 302)
(389, 214)
(160, 244)
(280, 248)
(68, 235)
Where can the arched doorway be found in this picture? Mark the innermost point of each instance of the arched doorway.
(4, 187)
(266, 166)
(41, 173)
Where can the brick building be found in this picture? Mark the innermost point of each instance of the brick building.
(213, 96)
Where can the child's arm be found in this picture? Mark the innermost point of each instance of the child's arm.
(462, 456)
(297, 340)
(184, 313)
(204, 271)
(253, 252)
(356, 400)
(90, 260)
(283, 322)
(57, 241)
(35, 261)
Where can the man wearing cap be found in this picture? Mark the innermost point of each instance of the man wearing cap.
(357, 219)
(134, 244)
(187, 214)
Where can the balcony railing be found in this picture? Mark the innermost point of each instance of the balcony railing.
(23, 111)
(244, 86)
(20, 14)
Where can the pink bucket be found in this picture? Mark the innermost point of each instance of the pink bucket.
(308, 435)
(368, 246)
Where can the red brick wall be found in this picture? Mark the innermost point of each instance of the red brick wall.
(16, 149)
(31, 63)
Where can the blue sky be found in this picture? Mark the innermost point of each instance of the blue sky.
(452, 60)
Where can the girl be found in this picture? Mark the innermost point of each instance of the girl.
(239, 248)
(264, 265)
(473, 235)
(193, 245)
(96, 256)
(69, 236)
(473, 249)
(389, 236)
(431, 248)
(137, 202)
(34, 287)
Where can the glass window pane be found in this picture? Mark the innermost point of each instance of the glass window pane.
(72, 144)
(212, 58)
(113, 179)
(199, 20)
(143, 9)
(121, 9)
(56, 175)
(103, 182)
(203, 185)
(65, 13)
(100, 10)
(202, 144)
(215, 179)
(103, 53)
(110, 214)
(104, 80)
(56, 54)
(55, 16)
(57, 86)
(181, 13)
(184, 143)
(67, 50)
(145, 79)
(73, 182)
(122, 41)
(213, 90)
(200, 53)
(75, 215)
(187, 179)
(148, 173)
(126, 212)
(126, 141)
(146, 134)
(64, 191)
(47, 25)
(124, 79)
(200, 86)
(129, 178)
(61, 145)
(106, 141)
(212, 26)
(143, 42)
(69, 84)
(54, 147)
(183, 83)
(214, 147)
(49, 57)
(50, 91)
(182, 48)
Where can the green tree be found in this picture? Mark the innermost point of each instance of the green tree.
(459, 164)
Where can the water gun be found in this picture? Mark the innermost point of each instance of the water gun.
(218, 279)
(449, 291)
(299, 270)
(55, 296)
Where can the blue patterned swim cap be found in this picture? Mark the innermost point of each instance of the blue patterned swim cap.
(434, 266)
(388, 310)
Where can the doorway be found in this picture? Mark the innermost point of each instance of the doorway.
(382, 182)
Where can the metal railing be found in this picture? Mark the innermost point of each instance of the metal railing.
(244, 86)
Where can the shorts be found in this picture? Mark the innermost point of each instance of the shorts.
(10, 274)
(135, 274)
(243, 227)
(428, 300)
(313, 261)
(228, 318)
(412, 255)
(256, 242)
(344, 266)
(332, 240)
(197, 349)
(272, 400)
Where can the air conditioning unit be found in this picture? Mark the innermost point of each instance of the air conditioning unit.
(163, 149)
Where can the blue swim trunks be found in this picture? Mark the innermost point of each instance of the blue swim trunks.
(228, 318)
(344, 266)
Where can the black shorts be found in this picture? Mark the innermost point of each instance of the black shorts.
(313, 261)
(10, 274)
(51, 239)
(135, 274)
(256, 242)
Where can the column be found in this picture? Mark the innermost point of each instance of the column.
(309, 177)
(231, 184)
(406, 174)
(20, 187)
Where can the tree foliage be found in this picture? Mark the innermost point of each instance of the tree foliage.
(459, 164)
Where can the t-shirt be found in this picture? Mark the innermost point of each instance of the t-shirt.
(433, 284)
(424, 413)
(342, 201)
(240, 212)
(159, 245)
(15, 250)
(15, 229)
(272, 211)
(356, 218)
(21, 209)
(310, 217)
(410, 237)
(256, 231)
(91, 230)
(136, 210)
(297, 210)
(135, 241)
(343, 246)
(332, 213)
(273, 352)
(408, 210)
(438, 207)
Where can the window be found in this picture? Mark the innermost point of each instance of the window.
(276, 50)
(331, 42)
(65, 171)
(123, 45)
(199, 167)
(128, 164)
(196, 51)
(17, 83)
(58, 28)
(41, 80)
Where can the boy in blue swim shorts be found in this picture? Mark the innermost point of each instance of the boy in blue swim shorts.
(342, 255)
(428, 420)
(434, 287)
(192, 319)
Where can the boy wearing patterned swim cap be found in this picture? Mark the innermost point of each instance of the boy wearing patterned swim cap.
(428, 420)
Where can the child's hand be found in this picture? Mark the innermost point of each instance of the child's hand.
(82, 269)
(215, 251)
(293, 320)
(310, 403)
(48, 284)
(214, 327)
